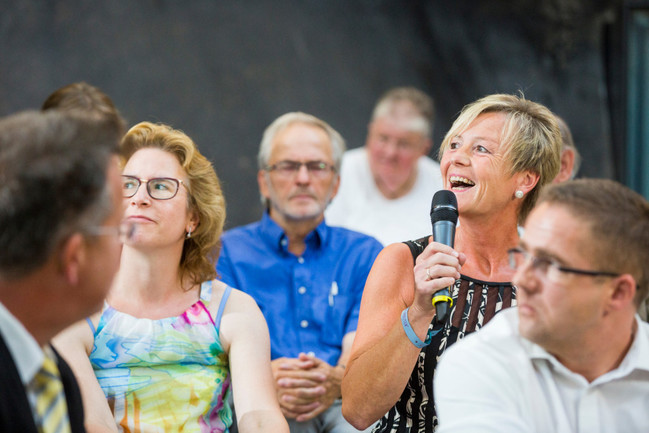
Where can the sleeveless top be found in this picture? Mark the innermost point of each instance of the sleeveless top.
(164, 375)
(475, 302)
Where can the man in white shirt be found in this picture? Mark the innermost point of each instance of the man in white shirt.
(387, 186)
(573, 356)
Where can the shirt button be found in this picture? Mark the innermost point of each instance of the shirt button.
(301, 290)
(300, 260)
(284, 242)
(304, 323)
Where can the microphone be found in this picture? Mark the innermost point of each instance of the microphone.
(443, 216)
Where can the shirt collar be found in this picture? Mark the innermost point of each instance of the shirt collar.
(535, 351)
(638, 355)
(25, 351)
(636, 358)
(274, 235)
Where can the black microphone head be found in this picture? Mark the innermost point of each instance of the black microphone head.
(444, 207)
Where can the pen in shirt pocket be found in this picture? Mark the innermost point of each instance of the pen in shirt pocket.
(333, 292)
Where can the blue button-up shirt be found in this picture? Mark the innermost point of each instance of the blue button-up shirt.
(309, 302)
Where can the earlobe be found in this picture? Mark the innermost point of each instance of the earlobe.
(72, 258)
(527, 182)
(623, 292)
(428, 144)
(336, 185)
(194, 221)
(567, 163)
(262, 182)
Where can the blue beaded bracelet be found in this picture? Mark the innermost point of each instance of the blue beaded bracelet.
(411, 333)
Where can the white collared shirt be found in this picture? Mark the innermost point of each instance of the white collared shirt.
(497, 381)
(360, 205)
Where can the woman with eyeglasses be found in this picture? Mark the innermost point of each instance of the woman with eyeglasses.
(496, 156)
(172, 340)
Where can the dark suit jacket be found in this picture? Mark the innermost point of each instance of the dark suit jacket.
(15, 411)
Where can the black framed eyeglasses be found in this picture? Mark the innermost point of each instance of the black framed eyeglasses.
(289, 168)
(159, 188)
(548, 267)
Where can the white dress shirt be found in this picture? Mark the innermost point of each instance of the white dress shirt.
(360, 205)
(497, 381)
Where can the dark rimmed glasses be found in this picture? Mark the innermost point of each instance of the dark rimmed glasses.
(549, 268)
(290, 168)
(159, 188)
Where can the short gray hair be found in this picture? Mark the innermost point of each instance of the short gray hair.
(282, 122)
(567, 142)
(423, 103)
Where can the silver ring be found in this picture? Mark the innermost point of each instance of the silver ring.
(428, 274)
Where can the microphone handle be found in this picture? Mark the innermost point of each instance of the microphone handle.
(444, 233)
(442, 302)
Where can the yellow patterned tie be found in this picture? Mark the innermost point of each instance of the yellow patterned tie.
(51, 408)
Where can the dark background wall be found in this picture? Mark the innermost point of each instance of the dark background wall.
(223, 70)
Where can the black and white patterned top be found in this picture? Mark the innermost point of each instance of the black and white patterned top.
(475, 302)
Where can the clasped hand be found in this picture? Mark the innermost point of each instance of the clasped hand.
(306, 385)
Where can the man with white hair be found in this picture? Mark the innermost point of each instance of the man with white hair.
(306, 276)
(387, 186)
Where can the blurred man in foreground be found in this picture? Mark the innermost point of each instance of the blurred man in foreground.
(60, 214)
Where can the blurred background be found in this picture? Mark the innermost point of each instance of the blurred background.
(223, 70)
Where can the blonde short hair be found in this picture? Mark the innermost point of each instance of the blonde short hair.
(530, 132)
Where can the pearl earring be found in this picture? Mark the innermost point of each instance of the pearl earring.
(189, 234)
(519, 194)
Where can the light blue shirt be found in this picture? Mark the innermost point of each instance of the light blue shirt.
(310, 302)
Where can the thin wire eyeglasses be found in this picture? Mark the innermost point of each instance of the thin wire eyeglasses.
(289, 168)
(159, 188)
(125, 231)
(548, 267)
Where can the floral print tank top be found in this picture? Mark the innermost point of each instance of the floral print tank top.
(165, 375)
